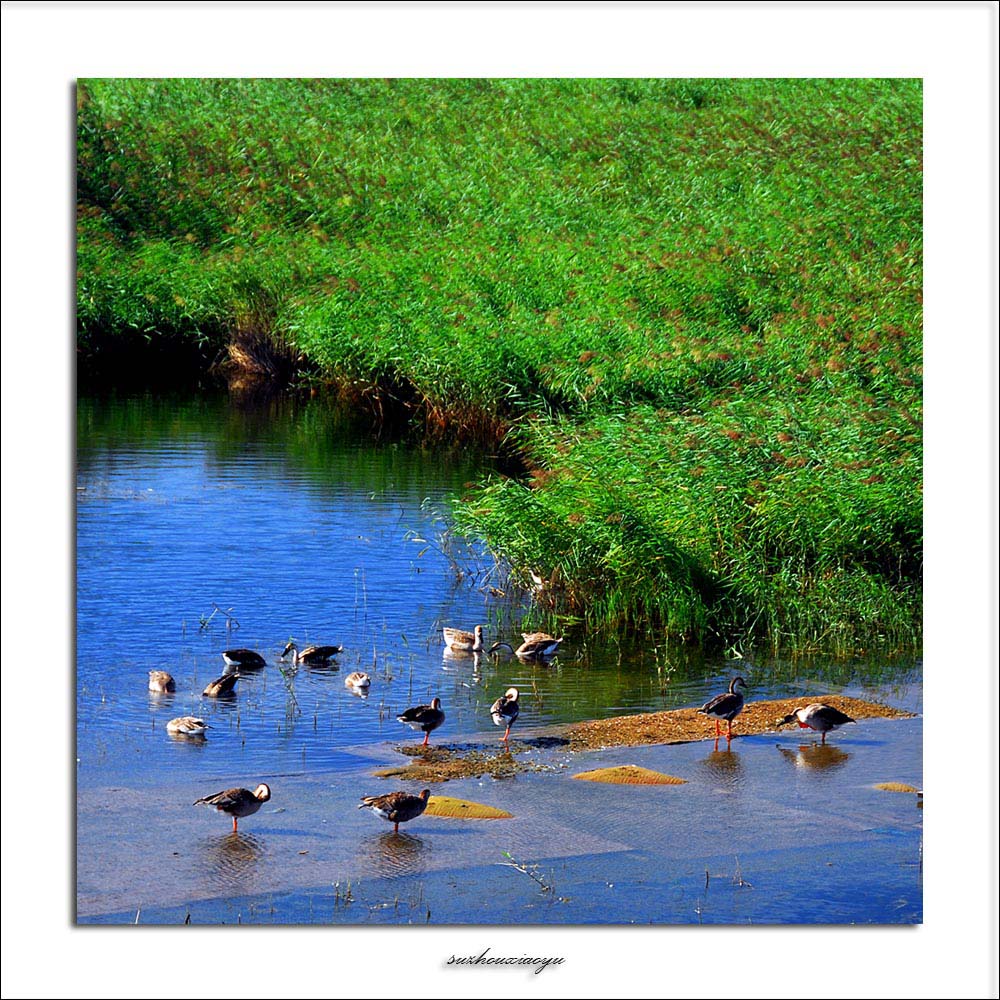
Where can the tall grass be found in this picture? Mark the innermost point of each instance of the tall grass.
(694, 307)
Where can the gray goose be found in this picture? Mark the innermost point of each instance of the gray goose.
(463, 642)
(505, 711)
(187, 725)
(424, 717)
(397, 807)
(245, 658)
(160, 682)
(222, 686)
(821, 718)
(536, 646)
(237, 802)
(725, 706)
(311, 655)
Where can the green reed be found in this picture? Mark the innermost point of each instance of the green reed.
(692, 308)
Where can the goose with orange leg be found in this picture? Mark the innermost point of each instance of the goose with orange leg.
(505, 711)
(725, 707)
(426, 718)
(237, 802)
(818, 717)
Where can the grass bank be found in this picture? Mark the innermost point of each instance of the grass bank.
(693, 307)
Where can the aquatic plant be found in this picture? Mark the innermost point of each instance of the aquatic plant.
(690, 311)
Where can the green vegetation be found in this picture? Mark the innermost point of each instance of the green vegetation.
(693, 307)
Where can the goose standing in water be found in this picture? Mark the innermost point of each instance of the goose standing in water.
(726, 706)
(237, 802)
(821, 718)
(463, 642)
(160, 682)
(424, 717)
(505, 711)
(311, 655)
(397, 807)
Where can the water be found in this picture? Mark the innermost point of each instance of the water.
(205, 523)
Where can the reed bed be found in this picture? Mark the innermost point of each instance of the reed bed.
(691, 309)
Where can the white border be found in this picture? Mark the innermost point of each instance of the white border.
(952, 46)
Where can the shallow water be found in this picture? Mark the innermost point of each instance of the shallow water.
(296, 522)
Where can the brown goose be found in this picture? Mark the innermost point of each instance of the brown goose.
(245, 658)
(463, 642)
(536, 646)
(819, 717)
(187, 725)
(222, 686)
(425, 717)
(505, 711)
(237, 802)
(358, 681)
(311, 655)
(397, 807)
(725, 706)
(160, 682)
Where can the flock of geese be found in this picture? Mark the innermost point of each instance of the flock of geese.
(401, 807)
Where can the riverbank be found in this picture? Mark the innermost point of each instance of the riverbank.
(691, 309)
(681, 725)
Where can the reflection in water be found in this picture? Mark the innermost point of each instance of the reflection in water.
(816, 756)
(230, 862)
(187, 739)
(391, 854)
(461, 662)
(724, 765)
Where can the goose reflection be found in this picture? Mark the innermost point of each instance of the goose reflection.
(231, 861)
(724, 764)
(453, 658)
(390, 854)
(816, 756)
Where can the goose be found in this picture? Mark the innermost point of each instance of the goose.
(358, 680)
(425, 717)
(187, 725)
(221, 686)
(397, 807)
(237, 802)
(821, 718)
(463, 642)
(246, 659)
(726, 706)
(311, 655)
(536, 646)
(160, 682)
(505, 711)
